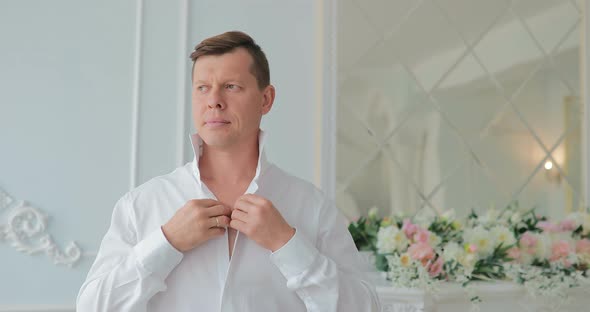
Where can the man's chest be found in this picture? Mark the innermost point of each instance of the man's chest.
(228, 197)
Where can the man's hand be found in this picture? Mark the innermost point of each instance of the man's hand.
(258, 219)
(195, 223)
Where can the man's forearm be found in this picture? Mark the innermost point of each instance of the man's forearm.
(127, 281)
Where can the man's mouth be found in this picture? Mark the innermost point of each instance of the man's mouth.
(216, 122)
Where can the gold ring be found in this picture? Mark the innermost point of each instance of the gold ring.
(217, 220)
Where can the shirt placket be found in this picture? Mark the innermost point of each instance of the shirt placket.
(221, 257)
(226, 306)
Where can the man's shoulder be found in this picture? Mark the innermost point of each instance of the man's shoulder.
(279, 176)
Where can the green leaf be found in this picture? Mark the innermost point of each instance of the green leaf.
(381, 263)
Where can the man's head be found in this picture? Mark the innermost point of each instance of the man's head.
(231, 88)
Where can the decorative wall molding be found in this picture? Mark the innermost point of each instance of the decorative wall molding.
(5, 200)
(25, 230)
(136, 95)
(181, 96)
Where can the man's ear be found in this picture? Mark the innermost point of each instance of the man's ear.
(268, 98)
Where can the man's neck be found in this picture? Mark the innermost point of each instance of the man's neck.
(229, 165)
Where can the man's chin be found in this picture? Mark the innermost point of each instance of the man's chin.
(217, 140)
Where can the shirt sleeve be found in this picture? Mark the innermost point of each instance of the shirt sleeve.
(326, 276)
(127, 273)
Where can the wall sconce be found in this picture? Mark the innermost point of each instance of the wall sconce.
(551, 172)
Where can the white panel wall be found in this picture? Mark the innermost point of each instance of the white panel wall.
(67, 90)
(66, 83)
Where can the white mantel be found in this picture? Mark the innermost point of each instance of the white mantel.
(496, 296)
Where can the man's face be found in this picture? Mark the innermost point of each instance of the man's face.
(227, 102)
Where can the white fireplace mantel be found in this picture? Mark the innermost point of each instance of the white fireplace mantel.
(496, 296)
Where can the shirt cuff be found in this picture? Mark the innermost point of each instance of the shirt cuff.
(296, 256)
(157, 255)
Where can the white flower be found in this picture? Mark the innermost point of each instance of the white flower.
(516, 217)
(452, 251)
(434, 240)
(373, 213)
(583, 258)
(490, 217)
(405, 260)
(577, 217)
(399, 214)
(586, 223)
(468, 260)
(390, 239)
(448, 215)
(572, 258)
(482, 239)
(401, 241)
(502, 235)
(580, 218)
(543, 250)
(424, 218)
(410, 274)
(385, 240)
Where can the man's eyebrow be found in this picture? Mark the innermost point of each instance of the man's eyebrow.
(234, 78)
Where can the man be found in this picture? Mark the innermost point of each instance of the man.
(229, 231)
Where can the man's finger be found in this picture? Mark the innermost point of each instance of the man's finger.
(219, 221)
(244, 205)
(238, 214)
(207, 202)
(215, 231)
(237, 225)
(253, 198)
(218, 210)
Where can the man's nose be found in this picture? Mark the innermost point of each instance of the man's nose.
(215, 99)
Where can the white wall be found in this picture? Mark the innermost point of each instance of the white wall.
(68, 85)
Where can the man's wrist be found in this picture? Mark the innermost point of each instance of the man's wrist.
(296, 256)
(284, 239)
(156, 254)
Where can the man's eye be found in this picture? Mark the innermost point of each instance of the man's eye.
(231, 86)
(202, 88)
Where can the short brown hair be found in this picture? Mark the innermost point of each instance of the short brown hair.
(228, 42)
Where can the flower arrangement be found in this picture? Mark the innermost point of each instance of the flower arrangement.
(426, 250)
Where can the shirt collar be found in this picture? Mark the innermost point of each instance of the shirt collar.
(263, 163)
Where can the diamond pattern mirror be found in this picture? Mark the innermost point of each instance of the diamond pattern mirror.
(458, 104)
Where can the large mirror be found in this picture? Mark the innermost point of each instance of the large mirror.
(458, 104)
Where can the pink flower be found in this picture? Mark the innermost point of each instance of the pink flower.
(409, 228)
(560, 250)
(421, 251)
(422, 236)
(547, 226)
(583, 246)
(435, 268)
(514, 254)
(567, 225)
(471, 248)
(528, 242)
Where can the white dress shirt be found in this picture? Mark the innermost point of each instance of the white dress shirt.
(137, 269)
